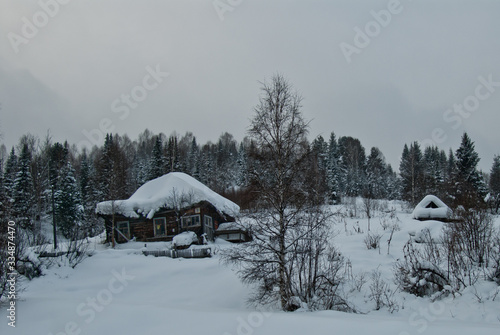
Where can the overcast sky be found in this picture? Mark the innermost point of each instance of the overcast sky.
(383, 72)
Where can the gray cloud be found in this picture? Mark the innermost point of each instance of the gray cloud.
(394, 91)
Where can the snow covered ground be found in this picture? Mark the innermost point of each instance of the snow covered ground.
(121, 291)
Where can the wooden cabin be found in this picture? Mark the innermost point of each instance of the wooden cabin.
(165, 207)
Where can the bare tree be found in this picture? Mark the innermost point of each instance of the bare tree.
(279, 131)
(369, 207)
(285, 260)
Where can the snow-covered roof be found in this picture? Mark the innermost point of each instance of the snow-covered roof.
(431, 207)
(229, 226)
(173, 190)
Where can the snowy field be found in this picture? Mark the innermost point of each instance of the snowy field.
(123, 292)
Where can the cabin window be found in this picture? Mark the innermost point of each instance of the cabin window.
(190, 221)
(208, 221)
(124, 228)
(160, 225)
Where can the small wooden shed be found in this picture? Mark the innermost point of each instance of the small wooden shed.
(232, 232)
(432, 208)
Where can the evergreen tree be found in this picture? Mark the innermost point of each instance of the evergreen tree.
(157, 162)
(376, 175)
(226, 157)
(58, 157)
(434, 171)
(141, 168)
(411, 170)
(242, 171)
(90, 223)
(495, 183)
(320, 150)
(24, 202)
(393, 184)
(353, 160)
(470, 188)
(173, 163)
(68, 207)
(193, 160)
(334, 170)
(3, 198)
(9, 176)
(112, 171)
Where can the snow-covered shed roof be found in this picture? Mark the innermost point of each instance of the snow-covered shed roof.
(229, 226)
(431, 207)
(173, 190)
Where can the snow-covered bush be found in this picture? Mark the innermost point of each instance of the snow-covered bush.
(420, 271)
(466, 253)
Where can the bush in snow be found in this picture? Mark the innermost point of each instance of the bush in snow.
(466, 253)
(494, 272)
(372, 240)
(390, 221)
(472, 236)
(420, 272)
(381, 294)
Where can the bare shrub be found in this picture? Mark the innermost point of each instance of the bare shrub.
(77, 248)
(494, 272)
(372, 241)
(390, 221)
(471, 236)
(359, 281)
(381, 294)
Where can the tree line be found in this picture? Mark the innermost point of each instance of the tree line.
(40, 179)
